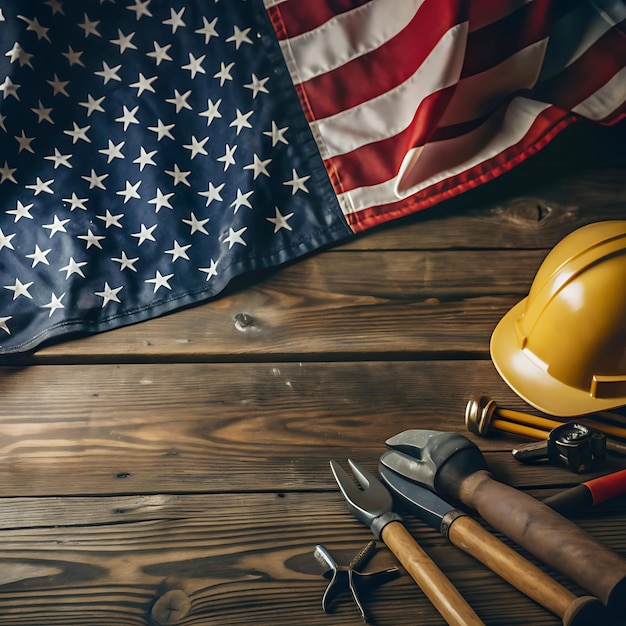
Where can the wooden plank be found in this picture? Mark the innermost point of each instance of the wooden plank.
(240, 560)
(345, 305)
(185, 428)
(528, 208)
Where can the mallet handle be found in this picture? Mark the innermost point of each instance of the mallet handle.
(468, 535)
(431, 580)
(552, 538)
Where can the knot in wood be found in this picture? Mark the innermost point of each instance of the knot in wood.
(244, 322)
(170, 608)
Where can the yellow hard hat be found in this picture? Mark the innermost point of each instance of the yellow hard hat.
(563, 348)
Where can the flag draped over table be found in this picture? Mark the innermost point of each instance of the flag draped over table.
(150, 152)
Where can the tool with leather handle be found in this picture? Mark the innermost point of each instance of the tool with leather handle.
(468, 535)
(450, 464)
(371, 503)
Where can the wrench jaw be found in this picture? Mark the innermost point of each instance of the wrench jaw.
(431, 458)
(369, 501)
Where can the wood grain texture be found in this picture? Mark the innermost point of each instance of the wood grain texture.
(241, 559)
(178, 470)
(335, 304)
(150, 428)
(465, 261)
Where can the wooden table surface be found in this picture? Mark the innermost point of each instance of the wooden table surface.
(190, 454)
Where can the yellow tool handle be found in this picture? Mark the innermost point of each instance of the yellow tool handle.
(516, 417)
(468, 535)
(528, 419)
(520, 429)
(431, 580)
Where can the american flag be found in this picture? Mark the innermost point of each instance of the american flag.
(150, 152)
(414, 101)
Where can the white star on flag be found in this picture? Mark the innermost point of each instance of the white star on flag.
(235, 237)
(73, 267)
(138, 137)
(178, 251)
(54, 304)
(20, 289)
(145, 234)
(161, 200)
(280, 221)
(241, 200)
(130, 191)
(210, 271)
(297, 183)
(57, 226)
(125, 262)
(109, 294)
(160, 281)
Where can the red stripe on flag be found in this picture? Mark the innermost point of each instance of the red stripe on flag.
(483, 12)
(546, 126)
(380, 161)
(386, 67)
(494, 43)
(300, 16)
(593, 69)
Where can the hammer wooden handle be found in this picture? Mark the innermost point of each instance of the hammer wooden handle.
(432, 581)
(552, 538)
(468, 535)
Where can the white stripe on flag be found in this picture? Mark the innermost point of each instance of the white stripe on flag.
(477, 95)
(347, 36)
(393, 112)
(563, 49)
(605, 100)
(448, 158)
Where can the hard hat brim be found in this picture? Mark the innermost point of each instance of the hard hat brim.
(532, 382)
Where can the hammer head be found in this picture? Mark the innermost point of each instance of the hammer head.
(434, 459)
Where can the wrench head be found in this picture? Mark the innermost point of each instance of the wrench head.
(369, 499)
(429, 457)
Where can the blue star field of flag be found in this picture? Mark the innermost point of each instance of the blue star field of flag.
(149, 153)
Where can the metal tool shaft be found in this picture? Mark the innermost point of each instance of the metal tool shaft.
(482, 414)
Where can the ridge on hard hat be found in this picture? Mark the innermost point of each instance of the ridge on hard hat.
(563, 348)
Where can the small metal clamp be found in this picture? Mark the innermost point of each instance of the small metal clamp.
(349, 578)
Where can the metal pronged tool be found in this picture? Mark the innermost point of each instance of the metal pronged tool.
(371, 503)
(350, 578)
